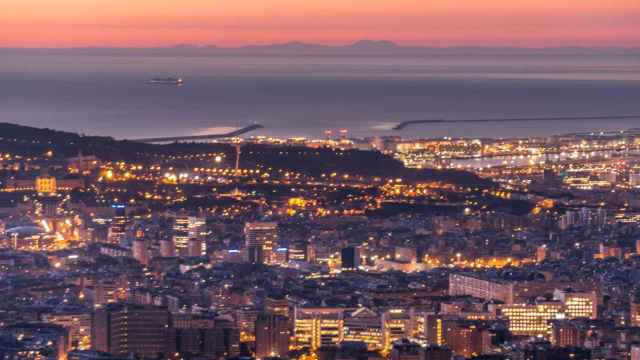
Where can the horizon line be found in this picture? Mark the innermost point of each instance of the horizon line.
(364, 43)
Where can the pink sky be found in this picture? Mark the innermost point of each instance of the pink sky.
(63, 23)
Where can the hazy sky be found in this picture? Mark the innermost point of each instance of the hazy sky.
(61, 23)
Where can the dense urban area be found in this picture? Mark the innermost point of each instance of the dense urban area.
(319, 249)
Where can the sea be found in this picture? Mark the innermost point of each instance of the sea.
(306, 95)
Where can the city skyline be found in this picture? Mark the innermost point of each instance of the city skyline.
(320, 180)
(524, 23)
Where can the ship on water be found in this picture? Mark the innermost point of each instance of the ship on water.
(166, 81)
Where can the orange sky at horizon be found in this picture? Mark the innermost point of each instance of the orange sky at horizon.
(533, 23)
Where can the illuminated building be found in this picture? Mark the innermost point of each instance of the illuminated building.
(607, 251)
(272, 336)
(578, 304)
(467, 338)
(318, 327)
(568, 333)
(532, 319)
(634, 311)
(464, 337)
(46, 184)
(541, 253)
(300, 251)
(434, 328)
(280, 256)
(106, 292)
(364, 325)
(113, 250)
(78, 325)
(260, 238)
(405, 254)
(186, 227)
(246, 319)
(124, 329)
(277, 305)
(480, 288)
(396, 325)
(117, 228)
(83, 163)
(33, 238)
(43, 184)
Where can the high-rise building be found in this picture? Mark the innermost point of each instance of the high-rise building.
(634, 311)
(260, 239)
(568, 333)
(124, 329)
(350, 257)
(396, 325)
(277, 305)
(246, 320)
(189, 339)
(140, 250)
(460, 284)
(167, 248)
(223, 341)
(578, 304)
(467, 338)
(186, 227)
(318, 327)
(117, 227)
(434, 325)
(300, 251)
(272, 336)
(364, 325)
(532, 319)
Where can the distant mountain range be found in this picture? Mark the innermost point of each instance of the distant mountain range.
(362, 47)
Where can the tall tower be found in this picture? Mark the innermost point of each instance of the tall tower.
(238, 152)
(272, 336)
(185, 228)
(260, 238)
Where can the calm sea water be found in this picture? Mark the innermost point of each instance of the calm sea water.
(303, 96)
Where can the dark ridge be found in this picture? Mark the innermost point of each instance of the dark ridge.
(25, 140)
